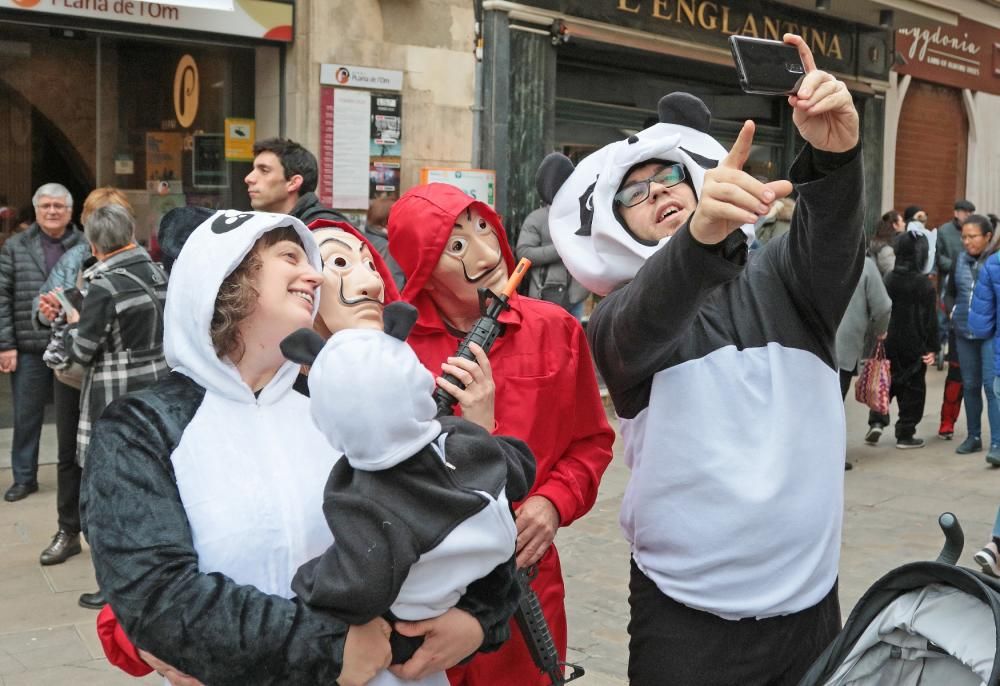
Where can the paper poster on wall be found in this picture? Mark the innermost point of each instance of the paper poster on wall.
(240, 135)
(384, 178)
(479, 183)
(349, 166)
(387, 125)
(163, 156)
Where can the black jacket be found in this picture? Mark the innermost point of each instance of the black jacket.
(22, 273)
(309, 209)
(913, 329)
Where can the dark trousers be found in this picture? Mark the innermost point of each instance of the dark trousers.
(67, 401)
(845, 383)
(31, 384)
(671, 644)
(910, 392)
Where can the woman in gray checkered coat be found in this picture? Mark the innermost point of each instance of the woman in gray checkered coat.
(118, 333)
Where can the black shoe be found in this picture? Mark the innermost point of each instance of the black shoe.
(93, 601)
(64, 545)
(19, 492)
(909, 443)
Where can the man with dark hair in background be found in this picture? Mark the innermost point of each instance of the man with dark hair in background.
(950, 240)
(283, 180)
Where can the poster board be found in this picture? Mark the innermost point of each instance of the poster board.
(481, 184)
(163, 155)
(240, 136)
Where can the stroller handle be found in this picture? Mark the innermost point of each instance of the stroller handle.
(954, 539)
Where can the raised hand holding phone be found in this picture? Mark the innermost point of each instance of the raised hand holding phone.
(824, 110)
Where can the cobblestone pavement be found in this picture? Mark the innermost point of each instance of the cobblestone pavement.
(893, 500)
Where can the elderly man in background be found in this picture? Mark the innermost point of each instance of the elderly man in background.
(25, 261)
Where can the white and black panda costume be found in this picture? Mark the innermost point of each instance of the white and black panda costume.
(722, 371)
(420, 507)
(201, 499)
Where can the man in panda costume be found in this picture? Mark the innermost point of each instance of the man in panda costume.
(420, 506)
(722, 370)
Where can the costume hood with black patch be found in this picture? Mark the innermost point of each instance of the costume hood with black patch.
(593, 242)
(210, 254)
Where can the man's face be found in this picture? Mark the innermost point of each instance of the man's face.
(53, 214)
(353, 291)
(471, 260)
(267, 186)
(664, 211)
(921, 217)
(961, 216)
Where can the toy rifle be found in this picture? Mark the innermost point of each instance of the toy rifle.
(529, 615)
(485, 331)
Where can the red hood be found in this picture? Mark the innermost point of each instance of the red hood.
(419, 225)
(390, 290)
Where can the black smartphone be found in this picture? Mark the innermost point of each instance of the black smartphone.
(767, 67)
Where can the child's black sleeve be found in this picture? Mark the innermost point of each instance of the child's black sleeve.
(359, 576)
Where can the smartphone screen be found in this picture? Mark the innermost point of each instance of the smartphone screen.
(767, 67)
(64, 301)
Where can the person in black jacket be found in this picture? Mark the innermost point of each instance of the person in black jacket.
(283, 180)
(25, 261)
(912, 339)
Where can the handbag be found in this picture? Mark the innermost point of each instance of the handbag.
(65, 370)
(874, 379)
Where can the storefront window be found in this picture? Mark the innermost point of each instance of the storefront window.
(141, 115)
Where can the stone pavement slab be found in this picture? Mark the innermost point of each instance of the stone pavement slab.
(893, 498)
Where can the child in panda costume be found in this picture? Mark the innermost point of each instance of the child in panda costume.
(420, 506)
(722, 370)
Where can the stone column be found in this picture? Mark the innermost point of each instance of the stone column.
(518, 124)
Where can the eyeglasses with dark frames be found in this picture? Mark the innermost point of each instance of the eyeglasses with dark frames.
(637, 191)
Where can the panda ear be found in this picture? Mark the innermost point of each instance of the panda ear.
(302, 346)
(684, 109)
(551, 175)
(398, 319)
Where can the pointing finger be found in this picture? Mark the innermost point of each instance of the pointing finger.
(740, 152)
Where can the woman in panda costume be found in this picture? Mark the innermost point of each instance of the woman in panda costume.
(722, 370)
(203, 496)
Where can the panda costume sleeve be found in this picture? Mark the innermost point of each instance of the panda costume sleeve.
(201, 499)
(420, 508)
(722, 370)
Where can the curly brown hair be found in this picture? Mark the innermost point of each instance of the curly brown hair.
(238, 295)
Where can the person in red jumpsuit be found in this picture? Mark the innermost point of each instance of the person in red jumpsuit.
(449, 245)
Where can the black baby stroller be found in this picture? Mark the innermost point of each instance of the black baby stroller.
(922, 624)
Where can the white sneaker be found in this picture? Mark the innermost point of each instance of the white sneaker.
(987, 559)
(874, 433)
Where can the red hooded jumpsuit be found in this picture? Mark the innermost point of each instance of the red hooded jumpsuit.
(546, 395)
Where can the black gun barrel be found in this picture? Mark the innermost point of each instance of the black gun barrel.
(537, 636)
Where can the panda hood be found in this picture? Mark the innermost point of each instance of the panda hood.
(588, 233)
(209, 255)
